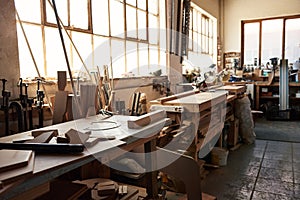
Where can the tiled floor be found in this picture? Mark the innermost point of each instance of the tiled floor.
(265, 170)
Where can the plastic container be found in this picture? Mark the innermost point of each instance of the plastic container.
(219, 156)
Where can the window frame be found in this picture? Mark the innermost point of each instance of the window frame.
(154, 44)
(259, 59)
(204, 34)
(68, 26)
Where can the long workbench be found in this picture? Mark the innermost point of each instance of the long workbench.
(207, 113)
(46, 167)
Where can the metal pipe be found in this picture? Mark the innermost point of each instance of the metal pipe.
(67, 60)
(84, 65)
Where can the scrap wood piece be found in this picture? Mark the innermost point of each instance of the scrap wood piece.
(104, 190)
(36, 133)
(77, 137)
(146, 119)
(60, 107)
(91, 141)
(42, 138)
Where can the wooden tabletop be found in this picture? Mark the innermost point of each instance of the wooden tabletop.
(202, 99)
(49, 166)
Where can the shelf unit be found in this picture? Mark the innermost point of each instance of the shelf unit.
(270, 90)
(229, 59)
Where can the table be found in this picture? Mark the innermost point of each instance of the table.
(206, 111)
(50, 166)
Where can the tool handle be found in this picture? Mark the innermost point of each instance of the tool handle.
(45, 147)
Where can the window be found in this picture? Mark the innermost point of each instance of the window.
(202, 36)
(292, 41)
(202, 32)
(123, 34)
(264, 39)
(251, 42)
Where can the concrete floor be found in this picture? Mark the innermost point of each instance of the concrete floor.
(265, 170)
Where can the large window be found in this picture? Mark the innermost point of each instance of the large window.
(123, 34)
(268, 38)
(202, 34)
(202, 46)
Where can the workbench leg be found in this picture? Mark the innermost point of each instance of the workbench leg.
(151, 175)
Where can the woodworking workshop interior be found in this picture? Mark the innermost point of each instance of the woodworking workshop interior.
(150, 99)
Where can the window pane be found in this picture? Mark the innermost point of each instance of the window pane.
(195, 41)
(131, 57)
(131, 22)
(116, 18)
(83, 44)
(153, 29)
(118, 57)
(251, 42)
(131, 2)
(55, 59)
(211, 25)
(153, 58)
(100, 17)
(101, 51)
(29, 10)
(292, 40)
(190, 40)
(195, 25)
(153, 6)
(271, 39)
(143, 55)
(79, 14)
(142, 25)
(34, 36)
(210, 41)
(163, 62)
(142, 4)
(62, 10)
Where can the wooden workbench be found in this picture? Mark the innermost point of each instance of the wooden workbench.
(206, 110)
(49, 166)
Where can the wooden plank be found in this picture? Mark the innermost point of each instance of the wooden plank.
(16, 173)
(61, 80)
(36, 133)
(42, 138)
(77, 137)
(60, 107)
(177, 96)
(12, 159)
(146, 119)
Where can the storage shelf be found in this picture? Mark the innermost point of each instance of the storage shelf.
(271, 87)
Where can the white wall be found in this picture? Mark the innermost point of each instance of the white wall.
(210, 6)
(237, 10)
